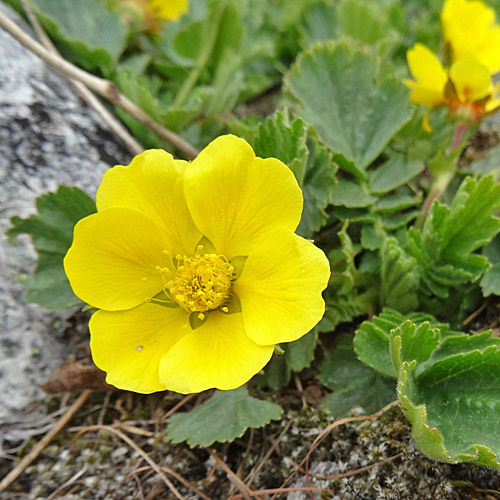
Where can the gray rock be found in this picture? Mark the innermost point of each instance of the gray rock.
(47, 137)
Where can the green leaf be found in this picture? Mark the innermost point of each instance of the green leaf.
(300, 353)
(488, 164)
(309, 160)
(362, 20)
(396, 203)
(339, 95)
(393, 173)
(224, 417)
(86, 27)
(372, 339)
(444, 248)
(276, 374)
(372, 236)
(321, 24)
(350, 194)
(399, 278)
(353, 384)
(490, 282)
(278, 138)
(452, 397)
(52, 233)
(318, 187)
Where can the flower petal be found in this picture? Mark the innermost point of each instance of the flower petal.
(128, 345)
(153, 184)
(217, 354)
(489, 52)
(111, 263)
(426, 68)
(471, 79)
(234, 197)
(280, 288)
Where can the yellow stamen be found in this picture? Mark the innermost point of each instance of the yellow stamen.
(202, 282)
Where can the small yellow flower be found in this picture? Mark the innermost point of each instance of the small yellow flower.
(470, 31)
(466, 88)
(195, 268)
(155, 12)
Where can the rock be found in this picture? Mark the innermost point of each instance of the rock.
(48, 136)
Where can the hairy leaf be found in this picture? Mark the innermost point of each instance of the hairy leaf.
(52, 233)
(224, 417)
(338, 93)
(354, 384)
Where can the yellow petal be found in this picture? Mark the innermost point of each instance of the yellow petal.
(111, 263)
(469, 30)
(423, 95)
(217, 354)
(153, 184)
(128, 345)
(169, 10)
(426, 68)
(489, 52)
(280, 288)
(471, 79)
(235, 197)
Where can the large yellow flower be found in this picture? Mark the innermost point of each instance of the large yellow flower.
(466, 88)
(469, 30)
(195, 268)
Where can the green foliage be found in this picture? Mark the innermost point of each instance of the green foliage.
(448, 386)
(93, 34)
(224, 417)
(354, 113)
(444, 248)
(52, 233)
(353, 384)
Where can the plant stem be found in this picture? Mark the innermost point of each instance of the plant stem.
(203, 58)
(105, 88)
(442, 180)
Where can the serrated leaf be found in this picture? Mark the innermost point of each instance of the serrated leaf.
(338, 94)
(393, 173)
(372, 338)
(445, 245)
(87, 27)
(452, 398)
(396, 203)
(223, 418)
(351, 195)
(52, 233)
(353, 383)
(399, 278)
(372, 236)
(317, 188)
(321, 24)
(278, 138)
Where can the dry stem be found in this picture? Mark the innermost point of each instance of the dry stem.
(104, 88)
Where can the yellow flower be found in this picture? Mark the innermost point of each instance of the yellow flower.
(195, 268)
(466, 88)
(155, 12)
(469, 30)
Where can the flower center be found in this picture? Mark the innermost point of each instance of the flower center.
(202, 282)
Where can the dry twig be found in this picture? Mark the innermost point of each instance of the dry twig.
(26, 461)
(134, 147)
(104, 88)
(135, 447)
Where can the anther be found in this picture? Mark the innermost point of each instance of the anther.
(144, 279)
(224, 309)
(201, 316)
